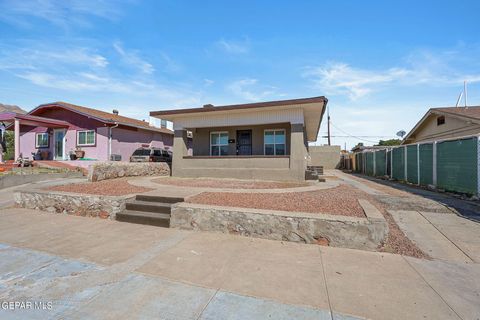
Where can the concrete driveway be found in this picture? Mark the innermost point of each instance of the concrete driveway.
(86, 268)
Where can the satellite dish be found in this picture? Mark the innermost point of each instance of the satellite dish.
(401, 133)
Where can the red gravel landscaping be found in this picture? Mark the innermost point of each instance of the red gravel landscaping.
(229, 184)
(341, 200)
(113, 187)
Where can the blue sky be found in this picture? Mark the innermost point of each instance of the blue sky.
(381, 64)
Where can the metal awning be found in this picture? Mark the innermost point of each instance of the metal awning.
(30, 120)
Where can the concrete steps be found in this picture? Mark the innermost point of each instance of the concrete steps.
(314, 173)
(151, 210)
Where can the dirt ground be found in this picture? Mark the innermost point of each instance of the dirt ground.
(229, 184)
(114, 187)
(342, 200)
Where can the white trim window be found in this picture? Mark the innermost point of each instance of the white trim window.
(274, 142)
(219, 143)
(41, 140)
(86, 138)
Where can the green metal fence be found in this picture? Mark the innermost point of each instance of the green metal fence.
(380, 163)
(450, 165)
(426, 164)
(457, 165)
(412, 164)
(398, 163)
(369, 168)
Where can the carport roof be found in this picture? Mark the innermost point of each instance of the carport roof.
(27, 119)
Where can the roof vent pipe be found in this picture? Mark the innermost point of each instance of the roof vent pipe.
(115, 111)
(208, 105)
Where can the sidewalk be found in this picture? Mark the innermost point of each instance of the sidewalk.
(95, 268)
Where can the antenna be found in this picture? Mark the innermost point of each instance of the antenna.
(465, 90)
(459, 99)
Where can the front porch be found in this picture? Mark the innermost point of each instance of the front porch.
(274, 151)
(46, 127)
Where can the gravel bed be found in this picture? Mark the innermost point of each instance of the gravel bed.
(228, 184)
(113, 187)
(342, 200)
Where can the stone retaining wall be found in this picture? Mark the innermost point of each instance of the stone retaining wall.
(105, 207)
(339, 231)
(111, 170)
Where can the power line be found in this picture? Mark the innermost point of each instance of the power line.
(352, 136)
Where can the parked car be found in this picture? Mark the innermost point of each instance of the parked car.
(151, 155)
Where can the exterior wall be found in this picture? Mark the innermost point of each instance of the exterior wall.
(126, 140)
(326, 156)
(201, 138)
(453, 127)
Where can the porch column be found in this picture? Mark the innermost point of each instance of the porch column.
(17, 139)
(180, 150)
(298, 151)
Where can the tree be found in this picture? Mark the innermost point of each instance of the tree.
(10, 142)
(390, 142)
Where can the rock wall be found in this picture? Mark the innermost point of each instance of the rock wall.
(111, 170)
(104, 207)
(334, 230)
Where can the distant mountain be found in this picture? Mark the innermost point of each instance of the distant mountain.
(11, 108)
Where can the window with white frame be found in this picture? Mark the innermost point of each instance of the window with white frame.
(41, 140)
(86, 138)
(219, 143)
(274, 142)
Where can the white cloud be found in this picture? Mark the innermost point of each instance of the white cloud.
(132, 58)
(234, 46)
(57, 12)
(421, 68)
(250, 90)
(208, 82)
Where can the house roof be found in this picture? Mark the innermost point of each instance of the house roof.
(466, 113)
(211, 108)
(103, 116)
(32, 120)
(313, 110)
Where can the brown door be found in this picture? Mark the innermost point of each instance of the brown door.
(244, 142)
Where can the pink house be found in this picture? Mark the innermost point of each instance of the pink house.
(56, 129)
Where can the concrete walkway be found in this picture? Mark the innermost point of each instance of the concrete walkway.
(98, 269)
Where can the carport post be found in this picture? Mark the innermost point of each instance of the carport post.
(17, 139)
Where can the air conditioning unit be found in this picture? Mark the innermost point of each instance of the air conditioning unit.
(115, 157)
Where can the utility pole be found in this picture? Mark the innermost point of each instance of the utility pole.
(328, 124)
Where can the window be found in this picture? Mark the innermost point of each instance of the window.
(274, 142)
(41, 140)
(440, 120)
(86, 138)
(219, 143)
(163, 123)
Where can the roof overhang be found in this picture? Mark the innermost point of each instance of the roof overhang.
(308, 111)
(26, 119)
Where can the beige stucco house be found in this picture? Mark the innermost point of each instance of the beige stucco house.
(265, 140)
(445, 123)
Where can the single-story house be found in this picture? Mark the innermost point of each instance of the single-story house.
(56, 129)
(265, 140)
(445, 123)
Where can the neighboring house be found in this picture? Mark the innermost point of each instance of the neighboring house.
(266, 140)
(445, 123)
(56, 129)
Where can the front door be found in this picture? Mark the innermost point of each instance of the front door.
(244, 142)
(59, 144)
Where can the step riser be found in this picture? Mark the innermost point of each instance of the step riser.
(159, 222)
(141, 197)
(147, 208)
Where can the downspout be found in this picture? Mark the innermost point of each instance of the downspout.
(110, 141)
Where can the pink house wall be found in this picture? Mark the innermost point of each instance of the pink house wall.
(124, 141)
